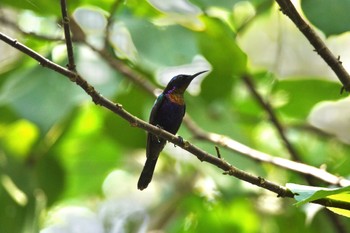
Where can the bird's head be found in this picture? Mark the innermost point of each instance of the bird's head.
(180, 82)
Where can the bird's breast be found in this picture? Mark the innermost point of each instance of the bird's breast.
(169, 115)
(176, 98)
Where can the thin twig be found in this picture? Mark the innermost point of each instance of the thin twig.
(218, 152)
(67, 36)
(288, 9)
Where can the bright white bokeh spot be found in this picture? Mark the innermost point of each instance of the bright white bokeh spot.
(179, 6)
(332, 117)
(90, 20)
(73, 219)
(122, 43)
(199, 63)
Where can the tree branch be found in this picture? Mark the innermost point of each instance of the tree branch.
(136, 122)
(336, 65)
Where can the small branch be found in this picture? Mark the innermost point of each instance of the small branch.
(69, 44)
(273, 118)
(336, 65)
(218, 152)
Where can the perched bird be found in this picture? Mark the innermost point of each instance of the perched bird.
(167, 113)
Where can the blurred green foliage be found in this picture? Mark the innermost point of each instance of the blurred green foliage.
(334, 14)
(58, 149)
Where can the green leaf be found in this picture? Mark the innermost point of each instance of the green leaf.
(86, 153)
(311, 193)
(226, 58)
(161, 46)
(302, 94)
(19, 146)
(121, 131)
(40, 95)
(331, 17)
(42, 7)
(51, 177)
(306, 194)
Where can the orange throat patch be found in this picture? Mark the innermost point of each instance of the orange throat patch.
(176, 98)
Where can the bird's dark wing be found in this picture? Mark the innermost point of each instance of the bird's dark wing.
(159, 101)
(154, 144)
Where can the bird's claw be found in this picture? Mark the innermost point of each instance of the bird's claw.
(159, 126)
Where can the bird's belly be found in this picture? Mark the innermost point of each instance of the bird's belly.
(170, 116)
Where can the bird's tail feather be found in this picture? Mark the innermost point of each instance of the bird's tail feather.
(147, 173)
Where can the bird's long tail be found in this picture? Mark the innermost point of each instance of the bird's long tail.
(147, 173)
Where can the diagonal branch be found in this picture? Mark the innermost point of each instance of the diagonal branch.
(288, 9)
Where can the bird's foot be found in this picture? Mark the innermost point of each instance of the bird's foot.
(159, 126)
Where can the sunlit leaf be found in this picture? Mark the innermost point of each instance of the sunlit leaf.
(300, 95)
(345, 196)
(310, 193)
(226, 58)
(175, 45)
(19, 146)
(27, 93)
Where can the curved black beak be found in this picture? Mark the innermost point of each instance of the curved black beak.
(196, 74)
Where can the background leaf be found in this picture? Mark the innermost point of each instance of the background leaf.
(329, 16)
